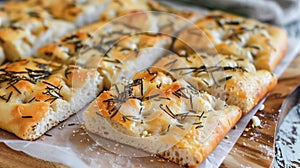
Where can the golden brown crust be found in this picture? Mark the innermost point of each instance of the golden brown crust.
(200, 149)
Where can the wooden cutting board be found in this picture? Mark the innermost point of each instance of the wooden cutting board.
(255, 148)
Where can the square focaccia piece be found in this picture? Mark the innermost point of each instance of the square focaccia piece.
(116, 53)
(233, 79)
(117, 8)
(78, 12)
(36, 95)
(28, 25)
(229, 34)
(156, 114)
(18, 42)
(132, 54)
(23, 31)
(94, 40)
(168, 20)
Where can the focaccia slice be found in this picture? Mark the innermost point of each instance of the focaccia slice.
(24, 31)
(116, 52)
(19, 42)
(117, 8)
(28, 25)
(233, 79)
(35, 95)
(78, 12)
(154, 113)
(11, 14)
(168, 20)
(94, 40)
(263, 44)
(130, 55)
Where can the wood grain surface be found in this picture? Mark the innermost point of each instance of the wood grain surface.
(254, 148)
(12, 159)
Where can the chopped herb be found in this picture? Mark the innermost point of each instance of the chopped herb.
(49, 135)
(154, 74)
(179, 93)
(9, 96)
(150, 97)
(31, 100)
(225, 79)
(167, 111)
(26, 116)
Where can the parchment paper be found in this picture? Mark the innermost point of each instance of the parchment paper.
(68, 143)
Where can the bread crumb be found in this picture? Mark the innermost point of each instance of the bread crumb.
(145, 132)
(244, 144)
(256, 122)
(262, 107)
(161, 160)
(182, 52)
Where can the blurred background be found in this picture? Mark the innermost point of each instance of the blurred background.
(284, 13)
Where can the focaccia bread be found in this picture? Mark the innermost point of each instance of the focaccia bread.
(78, 12)
(168, 20)
(28, 25)
(10, 15)
(19, 42)
(233, 79)
(94, 40)
(23, 31)
(117, 8)
(118, 53)
(263, 44)
(35, 95)
(131, 54)
(154, 113)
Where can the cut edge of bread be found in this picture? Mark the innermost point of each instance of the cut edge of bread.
(62, 109)
(179, 153)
